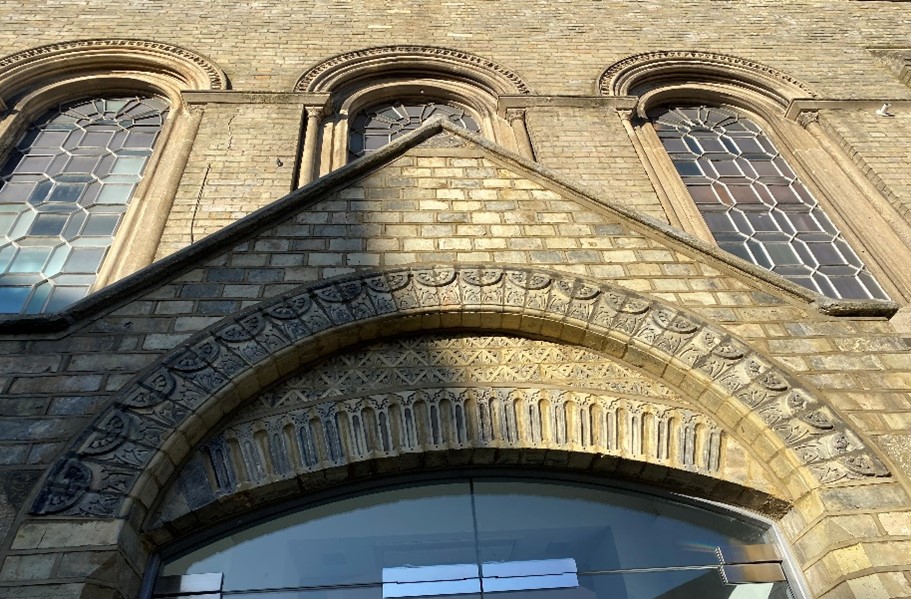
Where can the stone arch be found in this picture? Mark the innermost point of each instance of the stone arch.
(42, 65)
(131, 448)
(642, 71)
(446, 402)
(358, 80)
(350, 67)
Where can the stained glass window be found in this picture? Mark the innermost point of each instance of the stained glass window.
(378, 125)
(63, 191)
(755, 205)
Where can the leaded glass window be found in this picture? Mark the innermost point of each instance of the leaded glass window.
(378, 125)
(755, 205)
(63, 191)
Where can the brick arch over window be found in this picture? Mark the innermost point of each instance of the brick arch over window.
(131, 448)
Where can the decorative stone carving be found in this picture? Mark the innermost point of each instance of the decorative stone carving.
(138, 48)
(318, 435)
(617, 79)
(446, 360)
(322, 77)
(170, 395)
(807, 117)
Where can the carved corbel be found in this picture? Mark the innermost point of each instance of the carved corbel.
(626, 113)
(807, 117)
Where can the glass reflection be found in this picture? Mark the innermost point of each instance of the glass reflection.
(599, 529)
(485, 537)
(347, 542)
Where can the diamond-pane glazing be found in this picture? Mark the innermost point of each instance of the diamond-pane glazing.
(378, 125)
(63, 192)
(755, 205)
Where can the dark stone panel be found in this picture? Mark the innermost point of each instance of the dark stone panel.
(195, 486)
(15, 486)
(21, 429)
(200, 290)
(23, 406)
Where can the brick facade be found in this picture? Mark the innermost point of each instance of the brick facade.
(106, 409)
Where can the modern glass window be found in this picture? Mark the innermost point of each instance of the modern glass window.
(475, 538)
(376, 126)
(754, 203)
(63, 191)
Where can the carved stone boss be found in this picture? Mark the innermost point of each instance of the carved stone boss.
(104, 464)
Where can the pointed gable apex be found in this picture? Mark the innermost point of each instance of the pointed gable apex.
(435, 138)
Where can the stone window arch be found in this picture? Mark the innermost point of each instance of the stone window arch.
(53, 90)
(759, 97)
(346, 86)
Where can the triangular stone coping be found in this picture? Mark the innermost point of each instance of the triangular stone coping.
(154, 275)
(133, 447)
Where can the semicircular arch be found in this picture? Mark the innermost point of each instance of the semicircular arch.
(352, 67)
(46, 65)
(131, 448)
(641, 73)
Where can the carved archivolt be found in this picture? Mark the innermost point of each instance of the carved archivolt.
(30, 67)
(621, 78)
(134, 440)
(436, 360)
(335, 432)
(339, 70)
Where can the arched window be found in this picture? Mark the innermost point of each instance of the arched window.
(738, 156)
(64, 189)
(363, 99)
(377, 125)
(72, 159)
(755, 205)
(481, 537)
